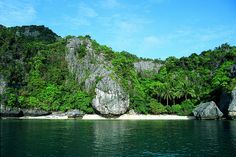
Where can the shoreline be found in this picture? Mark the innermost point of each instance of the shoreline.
(139, 117)
(98, 117)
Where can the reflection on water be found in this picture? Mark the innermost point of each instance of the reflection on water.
(108, 137)
(117, 138)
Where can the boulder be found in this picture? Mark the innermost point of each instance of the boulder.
(232, 105)
(132, 112)
(10, 112)
(35, 112)
(207, 110)
(74, 113)
(110, 98)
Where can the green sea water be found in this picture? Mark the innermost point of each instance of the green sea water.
(74, 138)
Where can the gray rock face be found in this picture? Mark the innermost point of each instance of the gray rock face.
(143, 66)
(36, 32)
(2, 90)
(232, 105)
(35, 112)
(207, 110)
(10, 112)
(224, 102)
(110, 98)
(18, 112)
(233, 71)
(88, 68)
(92, 73)
(74, 113)
(2, 85)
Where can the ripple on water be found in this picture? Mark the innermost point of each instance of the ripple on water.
(117, 138)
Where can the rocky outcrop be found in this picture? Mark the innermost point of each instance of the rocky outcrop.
(232, 105)
(10, 112)
(233, 71)
(110, 98)
(207, 110)
(223, 104)
(35, 112)
(94, 74)
(87, 67)
(2, 85)
(34, 32)
(74, 113)
(147, 66)
(18, 112)
(3, 110)
(132, 112)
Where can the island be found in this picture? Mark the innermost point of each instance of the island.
(43, 74)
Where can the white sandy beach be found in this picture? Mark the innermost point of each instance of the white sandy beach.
(45, 117)
(122, 117)
(139, 117)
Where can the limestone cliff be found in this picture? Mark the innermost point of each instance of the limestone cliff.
(94, 74)
(147, 66)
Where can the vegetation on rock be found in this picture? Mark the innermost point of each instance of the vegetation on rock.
(32, 63)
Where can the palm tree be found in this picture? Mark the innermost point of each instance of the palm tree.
(177, 94)
(166, 93)
(187, 89)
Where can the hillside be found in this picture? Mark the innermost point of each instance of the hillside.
(39, 69)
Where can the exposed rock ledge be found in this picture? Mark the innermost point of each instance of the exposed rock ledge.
(143, 66)
(18, 112)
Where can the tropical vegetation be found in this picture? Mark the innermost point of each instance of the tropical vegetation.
(32, 63)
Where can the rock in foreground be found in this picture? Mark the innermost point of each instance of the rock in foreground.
(207, 110)
(232, 105)
(35, 112)
(10, 112)
(74, 113)
(110, 98)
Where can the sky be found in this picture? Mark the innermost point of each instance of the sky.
(146, 28)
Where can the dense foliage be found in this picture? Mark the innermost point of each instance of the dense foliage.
(36, 72)
(34, 68)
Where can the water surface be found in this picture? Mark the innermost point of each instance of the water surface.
(72, 138)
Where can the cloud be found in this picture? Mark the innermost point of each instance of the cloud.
(84, 15)
(16, 13)
(127, 27)
(151, 41)
(202, 35)
(110, 4)
(124, 30)
(78, 21)
(87, 11)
